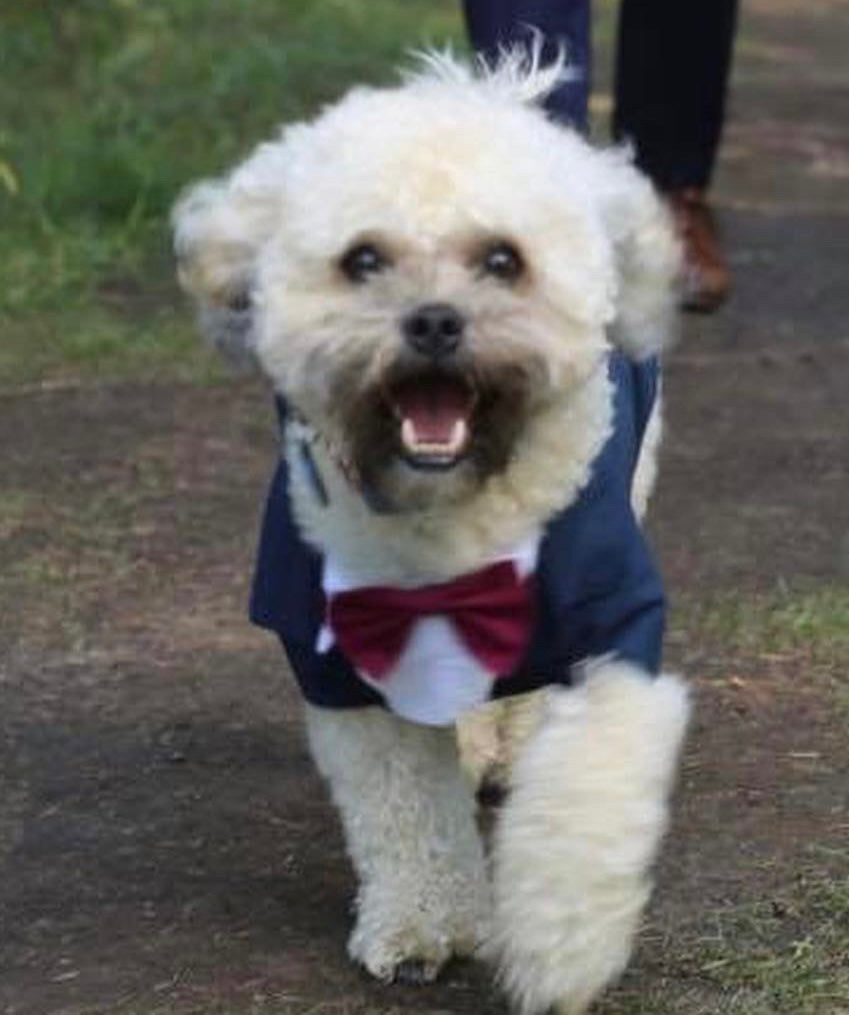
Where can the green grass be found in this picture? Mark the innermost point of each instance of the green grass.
(806, 630)
(115, 106)
(813, 622)
(784, 955)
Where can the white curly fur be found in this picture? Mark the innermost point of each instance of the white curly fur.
(518, 74)
(578, 834)
(452, 155)
(645, 473)
(289, 192)
(408, 813)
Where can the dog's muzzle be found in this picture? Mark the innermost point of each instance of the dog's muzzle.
(433, 402)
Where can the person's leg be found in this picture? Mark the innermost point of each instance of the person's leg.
(672, 66)
(494, 24)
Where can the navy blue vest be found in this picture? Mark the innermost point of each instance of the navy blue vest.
(598, 589)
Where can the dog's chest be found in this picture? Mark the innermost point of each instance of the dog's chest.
(432, 662)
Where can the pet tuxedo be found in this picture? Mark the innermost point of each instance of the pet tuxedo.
(593, 586)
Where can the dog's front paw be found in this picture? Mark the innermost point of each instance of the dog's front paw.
(411, 945)
(573, 854)
(398, 951)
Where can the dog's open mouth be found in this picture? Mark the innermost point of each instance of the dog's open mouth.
(434, 412)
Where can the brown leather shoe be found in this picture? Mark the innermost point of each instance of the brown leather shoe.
(707, 279)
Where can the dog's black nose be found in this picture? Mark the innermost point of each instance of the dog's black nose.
(434, 329)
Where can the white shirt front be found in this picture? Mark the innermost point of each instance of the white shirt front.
(436, 678)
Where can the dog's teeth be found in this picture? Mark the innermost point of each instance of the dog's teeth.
(415, 445)
(458, 436)
(409, 438)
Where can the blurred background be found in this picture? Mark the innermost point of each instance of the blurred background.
(108, 108)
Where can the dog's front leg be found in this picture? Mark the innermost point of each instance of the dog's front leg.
(577, 837)
(408, 816)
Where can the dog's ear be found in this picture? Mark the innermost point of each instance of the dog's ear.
(219, 228)
(648, 260)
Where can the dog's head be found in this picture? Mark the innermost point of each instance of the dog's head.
(422, 270)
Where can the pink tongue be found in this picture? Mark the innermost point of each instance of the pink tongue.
(433, 405)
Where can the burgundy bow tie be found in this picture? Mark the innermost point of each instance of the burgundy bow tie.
(491, 610)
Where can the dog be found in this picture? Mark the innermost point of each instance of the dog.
(459, 304)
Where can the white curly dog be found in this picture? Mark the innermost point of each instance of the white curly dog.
(436, 277)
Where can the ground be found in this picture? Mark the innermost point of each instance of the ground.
(165, 846)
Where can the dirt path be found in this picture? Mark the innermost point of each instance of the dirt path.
(164, 843)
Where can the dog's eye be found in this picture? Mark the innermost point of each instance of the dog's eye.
(362, 261)
(503, 261)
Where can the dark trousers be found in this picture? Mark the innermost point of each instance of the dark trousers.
(672, 63)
